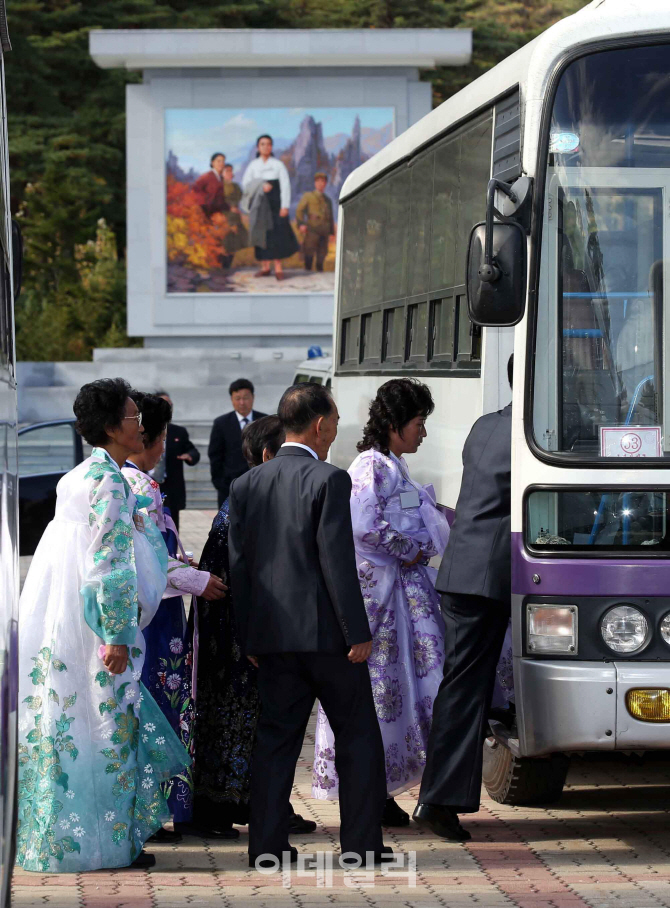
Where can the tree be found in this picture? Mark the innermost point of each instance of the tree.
(67, 126)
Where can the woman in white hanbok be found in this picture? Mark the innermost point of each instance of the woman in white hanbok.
(93, 745)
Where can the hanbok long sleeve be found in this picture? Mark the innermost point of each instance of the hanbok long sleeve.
(404, 615)
(182, 579)
(93, 747)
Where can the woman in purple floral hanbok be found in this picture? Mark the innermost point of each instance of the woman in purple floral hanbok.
(397, 530)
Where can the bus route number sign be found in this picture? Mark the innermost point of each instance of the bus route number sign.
(630, 441)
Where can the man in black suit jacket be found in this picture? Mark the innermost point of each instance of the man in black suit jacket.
(226, 461)
(301, 618)
(179, 449)
(475, 580)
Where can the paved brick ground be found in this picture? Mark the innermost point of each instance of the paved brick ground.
(606, 844)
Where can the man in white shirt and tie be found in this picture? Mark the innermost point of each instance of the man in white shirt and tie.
(226, 460)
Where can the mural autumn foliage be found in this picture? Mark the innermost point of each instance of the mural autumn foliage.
(192, 238)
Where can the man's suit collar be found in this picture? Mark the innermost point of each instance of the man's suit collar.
(293, 451)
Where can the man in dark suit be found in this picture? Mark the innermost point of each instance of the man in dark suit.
(301, 618)
(475, 581)
(226, 461)
(179, 449)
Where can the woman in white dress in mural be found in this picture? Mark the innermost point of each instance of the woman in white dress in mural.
(93, 745)
(280, 240)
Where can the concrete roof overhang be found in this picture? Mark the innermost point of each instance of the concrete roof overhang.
(237, 48)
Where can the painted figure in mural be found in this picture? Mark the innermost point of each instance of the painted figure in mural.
(280, 240)
(94, 747)
(168, 658)
(237, 237)
(228, 704)
(315, 222)
(397, 530)
(208, 188)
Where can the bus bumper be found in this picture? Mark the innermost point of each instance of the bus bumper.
(572, 706)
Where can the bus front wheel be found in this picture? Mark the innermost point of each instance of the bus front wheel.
(522, 780)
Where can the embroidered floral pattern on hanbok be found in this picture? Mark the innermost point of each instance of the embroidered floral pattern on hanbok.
(404, 616)
(427, 653)
(38, 800)
(387, 697)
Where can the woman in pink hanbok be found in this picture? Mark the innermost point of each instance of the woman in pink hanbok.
(397, 530)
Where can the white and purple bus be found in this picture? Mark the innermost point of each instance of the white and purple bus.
(559, 158)
(10, 280)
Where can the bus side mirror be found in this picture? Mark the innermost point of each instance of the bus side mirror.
(496, 290)
(496, 267)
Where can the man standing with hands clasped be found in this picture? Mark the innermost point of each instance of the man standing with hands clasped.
(226, 460)
(301, 618)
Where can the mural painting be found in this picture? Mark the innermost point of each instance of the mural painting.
(252, 194)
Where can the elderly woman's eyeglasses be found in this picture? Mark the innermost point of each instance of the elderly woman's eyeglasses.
(137, 416)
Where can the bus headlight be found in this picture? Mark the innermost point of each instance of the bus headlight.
(551, 628)
(625, 629)
(665, 629)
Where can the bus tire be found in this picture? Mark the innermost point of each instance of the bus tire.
(522, 780)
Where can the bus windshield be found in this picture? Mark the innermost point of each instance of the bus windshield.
(600, 342)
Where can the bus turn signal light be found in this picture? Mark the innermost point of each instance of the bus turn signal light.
(649, 704)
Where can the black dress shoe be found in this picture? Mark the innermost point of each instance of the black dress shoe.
(266, 862)
(298, 825)
(441, 820)
(380, 857)
(165, 836)
(144, 860)
(394, 815)
(207, 832)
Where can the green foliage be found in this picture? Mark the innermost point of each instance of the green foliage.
(67, 133)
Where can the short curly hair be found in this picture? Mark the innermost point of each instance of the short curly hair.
(266, 432)
(99, 404)
(156, 414)
(397, 402)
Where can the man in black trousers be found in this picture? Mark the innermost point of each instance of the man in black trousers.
(475, 581)
(179, 449)
(226, 461)
(301, 618)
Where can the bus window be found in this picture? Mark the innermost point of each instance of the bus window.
(419, 224)
(316, 379)
(394, 334)
(469, 335)
(613, 519)
(600, 343)
(371, 337)
(349, 341)
(403, 240)
(417, 330)
(396, 237)
(443, 320)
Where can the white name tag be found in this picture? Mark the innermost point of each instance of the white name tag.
(410, 499)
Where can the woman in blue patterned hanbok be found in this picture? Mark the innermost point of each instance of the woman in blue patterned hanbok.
(397, 530)
(93, 745)
(167, 672)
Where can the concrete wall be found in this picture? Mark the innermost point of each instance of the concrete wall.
(196, 379)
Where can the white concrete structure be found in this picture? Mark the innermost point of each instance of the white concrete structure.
(245, 68)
